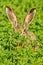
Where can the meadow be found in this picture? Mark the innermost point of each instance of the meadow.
(9, 40)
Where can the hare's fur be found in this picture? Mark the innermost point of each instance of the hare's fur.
(28, 18)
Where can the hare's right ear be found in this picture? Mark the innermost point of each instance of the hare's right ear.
(29, 17)
(11, 15)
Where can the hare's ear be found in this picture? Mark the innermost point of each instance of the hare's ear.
(11, 15)
(29, 17)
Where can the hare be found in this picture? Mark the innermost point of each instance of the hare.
(28, 18)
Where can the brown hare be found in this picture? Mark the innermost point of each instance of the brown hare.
(28, 18)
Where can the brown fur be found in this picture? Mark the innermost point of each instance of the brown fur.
(11, 15)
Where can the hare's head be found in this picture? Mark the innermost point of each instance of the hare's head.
(27, 20)
(11, 15)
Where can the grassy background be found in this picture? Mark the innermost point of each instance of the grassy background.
(8, 40)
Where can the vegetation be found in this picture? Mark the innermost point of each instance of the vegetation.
(29, 54)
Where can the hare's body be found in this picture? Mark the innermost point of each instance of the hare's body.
(11, 15)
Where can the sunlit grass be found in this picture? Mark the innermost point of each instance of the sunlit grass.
(26, 55)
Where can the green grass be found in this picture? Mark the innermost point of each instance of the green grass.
(9, 40)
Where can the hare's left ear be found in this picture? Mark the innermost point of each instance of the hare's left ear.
(29, 17)
(11, 15)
